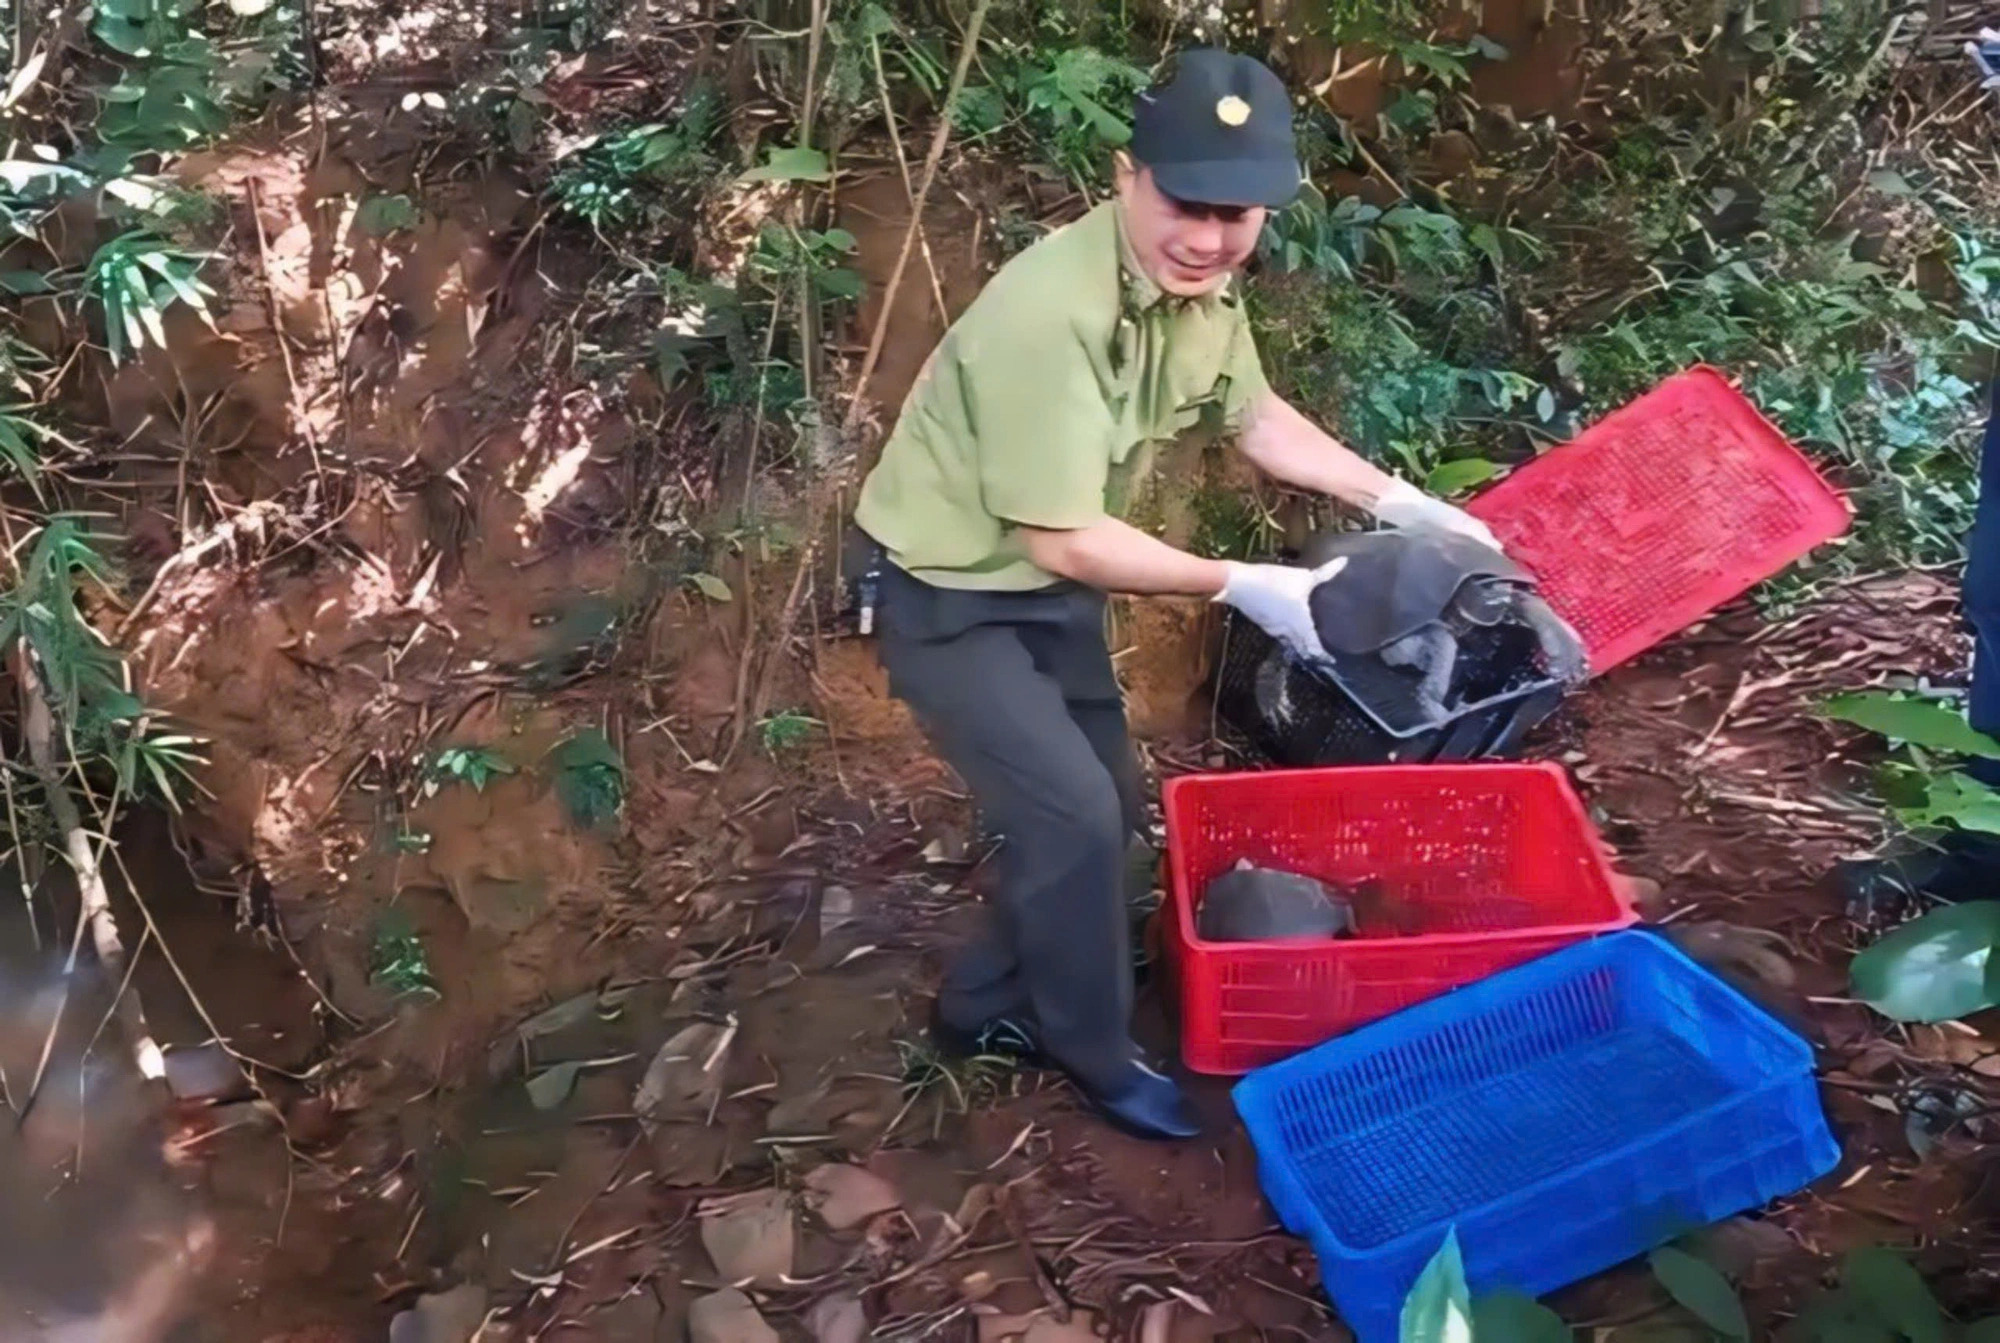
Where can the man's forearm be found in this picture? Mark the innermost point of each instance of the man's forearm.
(1113, 556)
(1286, 445)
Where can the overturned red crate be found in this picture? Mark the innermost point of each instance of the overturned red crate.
(1660, 512)
(1455, 872)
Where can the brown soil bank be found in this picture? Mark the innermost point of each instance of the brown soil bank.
(505, 1058)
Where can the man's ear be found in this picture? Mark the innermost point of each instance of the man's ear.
(1123, 170)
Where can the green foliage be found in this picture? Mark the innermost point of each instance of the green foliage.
(784, 255)
(1922, 791)
(1076, 101)
(136, 277)
(397, 960)
(1460, 476)
(474, 765)
(29, 189)
(1068, 99)
(143, 28)
(1882, 1299)
(711, 587)
(1917, 722)
(590, 778)
(613, 182)
(1700, 1289)
(84, 678)
(171, 104)
(780, 733)
(1439, 1307)
(21, 440)
(1377, 21)
(1939, 966)
(797, 163)
(1509, 1317)
(381, 215)
(155, 765)
(957, 1083)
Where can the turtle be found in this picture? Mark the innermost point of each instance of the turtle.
(1406, 598)
(1249, 903)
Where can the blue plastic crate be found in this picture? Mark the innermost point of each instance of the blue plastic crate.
(1564, 1116)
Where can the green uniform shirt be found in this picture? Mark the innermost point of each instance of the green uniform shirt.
(1043, 405)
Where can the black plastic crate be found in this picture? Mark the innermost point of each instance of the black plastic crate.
(1360, 710)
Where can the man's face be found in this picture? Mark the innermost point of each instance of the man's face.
(1188, 249)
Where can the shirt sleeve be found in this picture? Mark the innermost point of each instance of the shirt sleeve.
(1244, 371)
(1040, 425)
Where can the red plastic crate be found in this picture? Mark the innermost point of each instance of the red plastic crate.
(1478, 867)
(1660, 512)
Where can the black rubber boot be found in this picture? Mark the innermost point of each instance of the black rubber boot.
(1145, 1104)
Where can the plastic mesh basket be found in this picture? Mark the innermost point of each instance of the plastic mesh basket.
(1564, 1116)
(1459, 871)
(1365, 711)
(1661, 512)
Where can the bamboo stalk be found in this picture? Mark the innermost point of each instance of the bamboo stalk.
(38, 722)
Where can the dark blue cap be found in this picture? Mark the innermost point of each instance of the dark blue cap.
(1220, 133)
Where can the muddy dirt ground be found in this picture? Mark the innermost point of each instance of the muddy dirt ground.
(381, 510)
(753, 1100)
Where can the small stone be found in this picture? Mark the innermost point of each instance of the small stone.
(727, 1317)
(846, 1196)
(204, 1073)
(753, 1240)
(442, 1317)
(837, 1319)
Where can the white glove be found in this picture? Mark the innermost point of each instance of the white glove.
(1404, 505)
(1277, 597)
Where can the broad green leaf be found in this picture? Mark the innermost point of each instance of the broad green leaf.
(1438, 1308)
(1954, 799)
(1835, 1317)
(1919, 722)
(1449, 478)
(184, 287)
(1510, 1317)
(712, 587)
(1894, 1292)
(840, 282)
(1890, 182)
(840, 239)
(379, 216)
(1983, 1331)
(1933, 968)
(1701, 1290)
(25, 282)
(1487, 241)
(795, 163)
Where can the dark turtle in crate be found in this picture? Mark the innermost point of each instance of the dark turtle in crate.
(1423, 630)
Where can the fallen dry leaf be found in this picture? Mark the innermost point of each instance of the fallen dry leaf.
(846, 1196)
(837, 1319)
(727, 1317)
(753, 1240)
(679, 1083)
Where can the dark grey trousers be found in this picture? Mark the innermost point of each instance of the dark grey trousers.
(1015, 690)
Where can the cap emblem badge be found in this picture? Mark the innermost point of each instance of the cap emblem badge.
(1232, 111)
